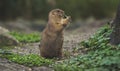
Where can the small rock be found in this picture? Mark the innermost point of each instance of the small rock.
(3, 30)
(6, 38)
(6, 65)
(43, 68)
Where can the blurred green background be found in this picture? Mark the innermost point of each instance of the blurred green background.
(38, 9)
(31, 15)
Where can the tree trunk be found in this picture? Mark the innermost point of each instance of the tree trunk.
(115, 35)
(28, 9)
(2, 9)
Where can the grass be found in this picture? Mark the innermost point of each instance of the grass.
(27, 60)
(101, 55)
(26, 38)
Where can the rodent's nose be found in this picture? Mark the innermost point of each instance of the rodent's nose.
(64, 16)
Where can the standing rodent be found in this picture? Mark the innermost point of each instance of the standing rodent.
(52, 35)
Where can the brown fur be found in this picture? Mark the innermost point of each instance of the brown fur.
(52, 35)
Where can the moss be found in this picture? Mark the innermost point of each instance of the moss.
(26, 38)
(101, 55)
(27, 60)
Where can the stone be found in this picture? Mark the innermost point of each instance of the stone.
(6, 39)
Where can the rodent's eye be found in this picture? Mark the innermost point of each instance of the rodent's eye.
(58, 11)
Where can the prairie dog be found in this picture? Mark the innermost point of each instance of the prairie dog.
(52, 35)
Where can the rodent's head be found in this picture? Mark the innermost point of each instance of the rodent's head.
(58, 18)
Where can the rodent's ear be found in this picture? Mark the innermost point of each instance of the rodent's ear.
(53, 13)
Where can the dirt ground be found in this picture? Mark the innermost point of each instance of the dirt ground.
(71, 41)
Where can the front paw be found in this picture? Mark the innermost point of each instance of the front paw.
(69, 18)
